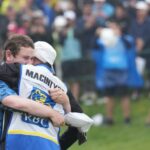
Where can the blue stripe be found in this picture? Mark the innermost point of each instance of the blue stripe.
(25, 142)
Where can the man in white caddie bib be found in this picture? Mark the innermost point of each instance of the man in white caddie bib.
(27, 132)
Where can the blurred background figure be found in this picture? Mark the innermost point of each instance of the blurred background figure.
(121, 16)
(48, 11)
(71, 54)
(59, 28)
(140, 30)
(113, 52)
(85, 28)
(38, 29)
(102, 10)
(148, 3)
(130, 7)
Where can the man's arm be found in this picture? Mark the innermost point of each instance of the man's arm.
(33, 108)
(10, 99)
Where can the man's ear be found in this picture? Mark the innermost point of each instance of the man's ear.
(9, 57)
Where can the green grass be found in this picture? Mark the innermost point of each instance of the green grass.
(120, 136)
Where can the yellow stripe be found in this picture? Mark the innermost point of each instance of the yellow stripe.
(32, 133)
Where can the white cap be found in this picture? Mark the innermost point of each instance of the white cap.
(44, 52)
(38, 14)
(63, 5)
(69, 14)
(141, 5)
(60, 21)
(99, 0)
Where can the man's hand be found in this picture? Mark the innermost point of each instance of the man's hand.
(60, 97)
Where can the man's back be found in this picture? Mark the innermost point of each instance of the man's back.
(24, 128)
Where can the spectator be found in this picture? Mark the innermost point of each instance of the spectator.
(59, 27)
(130, 7)
(121, 17)
(47, 10)
(71, 54)
(102, 11)
(85, 29)
(114, 58)
(139, 28)
(148, 3)
(38, 30)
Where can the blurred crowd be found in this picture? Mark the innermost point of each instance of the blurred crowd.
(75, 28)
